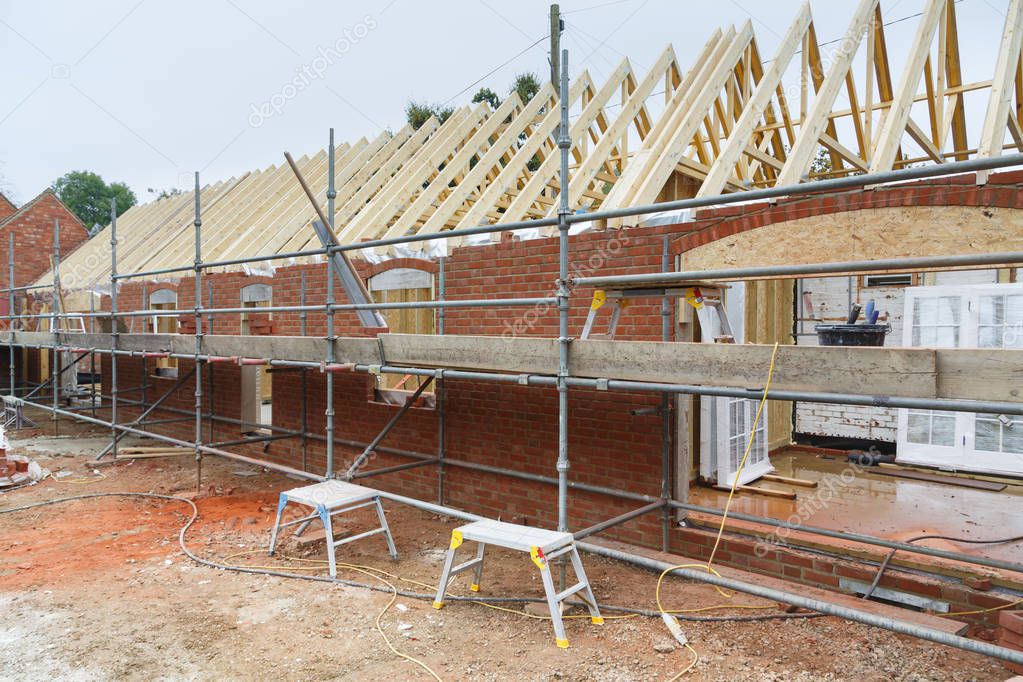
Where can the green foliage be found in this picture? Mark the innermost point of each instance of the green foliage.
(487, 95)
(418, 113)
(89, 197)
(527, 85)
(164, 193)
(821, 163)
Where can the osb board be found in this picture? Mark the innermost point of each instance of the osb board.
(871, 234)
(768, 320)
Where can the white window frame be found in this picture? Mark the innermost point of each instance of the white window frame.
(962, 454)
(717, 434)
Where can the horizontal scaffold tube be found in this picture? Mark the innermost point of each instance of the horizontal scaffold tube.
(816, 187)
(947, 404)
(611, 492)
(818, 605)
(170, 439)
(812, 269)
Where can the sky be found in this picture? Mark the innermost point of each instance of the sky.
(147, 92)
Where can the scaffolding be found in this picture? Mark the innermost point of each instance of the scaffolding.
(118, 345)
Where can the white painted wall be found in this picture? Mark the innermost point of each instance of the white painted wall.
(831, 297)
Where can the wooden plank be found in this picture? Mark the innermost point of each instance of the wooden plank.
(139, 449)
(756, 490)
(154, 455)
(660, 170)
(889, 371)
(989, 374)
(890, 137)
(1000, 100)
(516, 355)
(375, 183)
(981, 373)
(548, 170)
(722, 168)
(817, 118)
(939, 478)
(490, 160)
(373, 220)
(408, 216)
(583, 176)
(788, 480)
(833, 369)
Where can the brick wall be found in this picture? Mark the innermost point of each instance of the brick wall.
(486, 423)
(6, 207)
(964, 588)
(32, 227)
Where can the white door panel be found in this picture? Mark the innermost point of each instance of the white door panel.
(974, 316)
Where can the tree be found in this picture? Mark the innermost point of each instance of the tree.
(88, 196)
(821, 164)
(164, 193)
(487, 95)
(418, 113)
(527, 85)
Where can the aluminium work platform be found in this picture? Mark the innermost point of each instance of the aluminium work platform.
(543, 547)
(329, 499)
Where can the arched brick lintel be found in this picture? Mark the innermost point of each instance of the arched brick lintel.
(395, 263)
(1003, 190)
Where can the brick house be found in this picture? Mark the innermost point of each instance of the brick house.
(32, 228)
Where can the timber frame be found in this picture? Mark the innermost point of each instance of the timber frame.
(726, 124)
(731, 121)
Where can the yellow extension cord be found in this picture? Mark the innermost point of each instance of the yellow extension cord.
(99, 476)
(382, 575)
(721, 529)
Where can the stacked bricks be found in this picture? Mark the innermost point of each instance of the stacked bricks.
(827, 571)
(1011, 635)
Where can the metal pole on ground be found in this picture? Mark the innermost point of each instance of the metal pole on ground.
(666, 401)
(10, 312)
(198, 337)
(145, 362)
(304, 410)
(114, 333)
(209, 366)
(440, 388)
(329, 412)
(92, 354)
(55, 324)
(564, 144)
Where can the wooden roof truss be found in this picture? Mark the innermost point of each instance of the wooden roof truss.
(728, 122)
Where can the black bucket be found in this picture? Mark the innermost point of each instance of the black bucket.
(852, 334)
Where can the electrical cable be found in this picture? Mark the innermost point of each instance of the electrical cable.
(489, 602)
(721, 529)
(884, 565)
(602, 5)
(495, 70)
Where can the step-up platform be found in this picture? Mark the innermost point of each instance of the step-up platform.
(543, 547)
(327, 500)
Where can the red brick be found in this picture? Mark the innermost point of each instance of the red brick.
(1012, 621)
(977, 582)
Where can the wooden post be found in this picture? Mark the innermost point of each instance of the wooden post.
(555, 56)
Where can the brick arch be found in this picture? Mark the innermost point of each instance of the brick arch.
(936, 217)
(396, 263)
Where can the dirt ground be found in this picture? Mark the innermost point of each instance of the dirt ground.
(99, 589)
